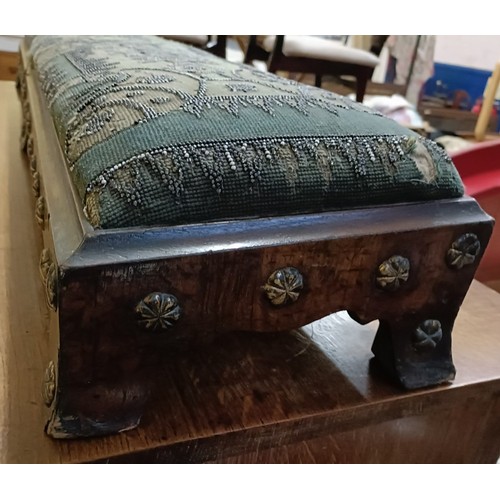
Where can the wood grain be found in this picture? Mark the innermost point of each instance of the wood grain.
(244, 394)
(427, 438)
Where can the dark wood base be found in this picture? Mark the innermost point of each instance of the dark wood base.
(123, 301)
(107, 361)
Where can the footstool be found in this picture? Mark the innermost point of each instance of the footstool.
(180, 196)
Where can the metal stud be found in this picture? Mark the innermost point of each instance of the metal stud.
(158, 311)
(427, 335)
(49, 384)
(40, 211)
(33, 164)
(463, 251)
(45, 262)
(51, 283)
(30, 149)
(36, 184)
(25, 132)
(283, 286)
(393, 272)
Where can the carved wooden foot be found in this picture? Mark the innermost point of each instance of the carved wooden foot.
(97, 410)
(93, 409)
(415, 350)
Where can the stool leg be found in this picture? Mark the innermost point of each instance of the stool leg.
(416, 349)
(317, 80)
(104, 392)
(101, 408)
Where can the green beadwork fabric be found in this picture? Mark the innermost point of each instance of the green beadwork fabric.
(158, 133)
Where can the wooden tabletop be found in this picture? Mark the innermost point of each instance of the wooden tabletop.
(239, 393)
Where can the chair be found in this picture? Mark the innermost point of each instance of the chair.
(205, 42)
(310, 54)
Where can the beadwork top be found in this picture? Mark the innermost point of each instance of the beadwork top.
(158, 133)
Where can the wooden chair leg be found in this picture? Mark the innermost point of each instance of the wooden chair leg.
(317, 80)
(276, 56)
(361, 83)
(219, 47)
(254, 52)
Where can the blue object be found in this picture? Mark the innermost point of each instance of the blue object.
(452, 78)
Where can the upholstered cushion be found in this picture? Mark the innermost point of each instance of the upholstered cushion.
(199, 40)
(159, 133)
(321, 48)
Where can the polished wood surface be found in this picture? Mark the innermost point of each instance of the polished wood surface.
(309, 396)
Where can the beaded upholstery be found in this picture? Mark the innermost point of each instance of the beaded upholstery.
(158, 133)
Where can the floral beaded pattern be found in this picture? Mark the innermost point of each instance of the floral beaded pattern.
(158, 133)
(145, 83)
(217, 160)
